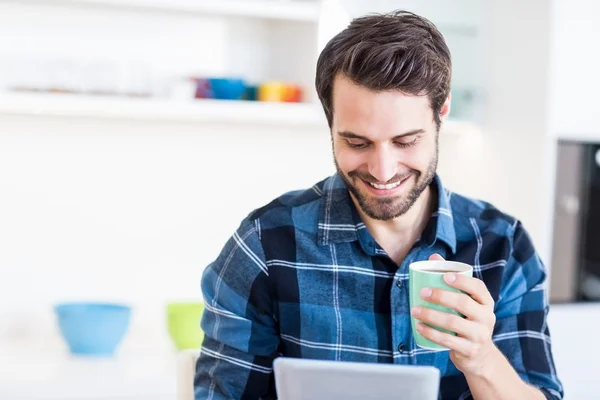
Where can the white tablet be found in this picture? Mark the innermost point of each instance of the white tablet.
(303, 379)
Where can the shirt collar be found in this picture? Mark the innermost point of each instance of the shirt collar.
(338, 222)
(443, 217)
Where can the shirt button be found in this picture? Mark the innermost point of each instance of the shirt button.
(401, 347)
(399, 282)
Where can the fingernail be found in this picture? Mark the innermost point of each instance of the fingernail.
(425, 292)
(415, 311)
(419, 327)
(450, 278)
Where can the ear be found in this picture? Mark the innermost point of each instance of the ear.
(445, 110)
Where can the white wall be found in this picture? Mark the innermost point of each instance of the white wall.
(574, 83)
(131, 211)
(518, 113)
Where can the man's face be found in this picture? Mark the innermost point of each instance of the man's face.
(385, 146)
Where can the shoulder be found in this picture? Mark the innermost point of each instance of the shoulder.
(290, 207)
(480, 221)
(498, 246)
(488, 234)
(473, 214)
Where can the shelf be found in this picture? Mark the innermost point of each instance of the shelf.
(289, 10)
(216, 111)
(219, 111)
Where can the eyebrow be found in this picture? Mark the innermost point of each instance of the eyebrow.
(352, 135)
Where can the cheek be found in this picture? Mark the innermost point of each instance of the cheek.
(415, 159)
(419, 157)
(349, 161)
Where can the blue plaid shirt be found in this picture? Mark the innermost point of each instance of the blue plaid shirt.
(303, 277)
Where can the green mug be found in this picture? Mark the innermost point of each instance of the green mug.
(431, 274)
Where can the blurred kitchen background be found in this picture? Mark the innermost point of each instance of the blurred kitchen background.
(136, 134)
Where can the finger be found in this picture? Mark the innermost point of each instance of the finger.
(468, 329)
(455, 343)
(455, 301)
(436, 257)
(472, 286)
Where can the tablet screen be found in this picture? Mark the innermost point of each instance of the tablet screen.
(303, 379)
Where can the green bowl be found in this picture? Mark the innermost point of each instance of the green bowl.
(183, 322)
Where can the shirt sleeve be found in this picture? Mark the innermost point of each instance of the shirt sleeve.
(241, 338)
(521, 330)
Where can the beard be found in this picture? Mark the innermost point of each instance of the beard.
(388, 208)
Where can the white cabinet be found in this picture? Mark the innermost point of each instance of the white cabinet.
(152, 40)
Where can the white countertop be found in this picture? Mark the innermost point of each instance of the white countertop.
(35, 371)
(42, 368)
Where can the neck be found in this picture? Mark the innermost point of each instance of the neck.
(406, 228)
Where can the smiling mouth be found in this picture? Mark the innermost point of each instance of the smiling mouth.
(389, 186)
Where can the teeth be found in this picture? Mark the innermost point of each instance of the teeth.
(387, 187)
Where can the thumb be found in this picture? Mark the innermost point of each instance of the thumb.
(436, 257)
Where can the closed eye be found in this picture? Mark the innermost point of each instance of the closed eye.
(357, 145)
(407, 144)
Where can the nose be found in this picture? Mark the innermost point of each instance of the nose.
(382, 165)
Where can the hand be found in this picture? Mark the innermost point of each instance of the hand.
(473, 344)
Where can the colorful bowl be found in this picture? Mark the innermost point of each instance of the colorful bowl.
(227, 88)
(183, 322)
(93, 329)
(280, 92)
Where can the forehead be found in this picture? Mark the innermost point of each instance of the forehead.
(364, 111)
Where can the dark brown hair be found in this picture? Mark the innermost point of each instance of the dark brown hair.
(394, 51)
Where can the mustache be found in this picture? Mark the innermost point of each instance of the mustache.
(365, 176)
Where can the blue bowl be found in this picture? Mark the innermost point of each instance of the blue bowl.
(227, 88)
(93, 329)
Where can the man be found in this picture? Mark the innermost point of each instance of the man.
(322, 273)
